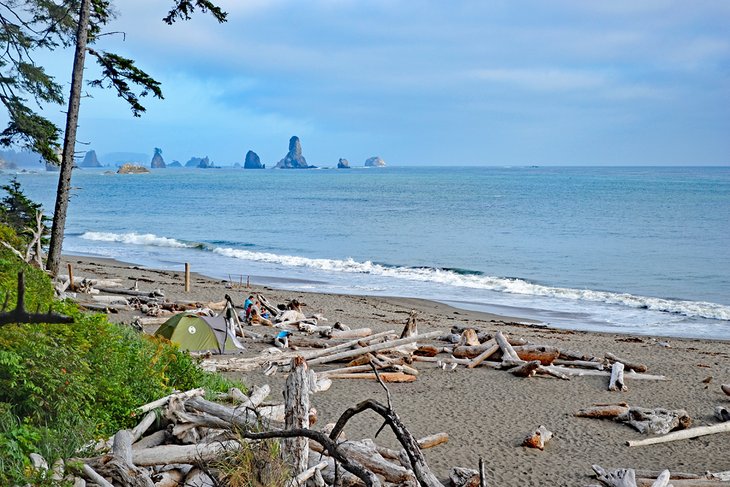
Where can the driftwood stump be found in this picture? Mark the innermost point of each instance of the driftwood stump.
(296, 406)
(616, 382)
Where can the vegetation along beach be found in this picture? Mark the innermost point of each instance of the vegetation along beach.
(358, 243)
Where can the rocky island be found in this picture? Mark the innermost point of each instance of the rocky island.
(253, 161)
(343, 164)
(132, 169)
(294, 158)
(90, 160)
(376, 161)
(157, 161)
(202, 163)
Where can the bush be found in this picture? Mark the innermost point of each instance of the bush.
(62, 385)
(38, 288)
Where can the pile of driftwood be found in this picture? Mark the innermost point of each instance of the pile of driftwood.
(396, 355)
(182, 438)
(110, 296)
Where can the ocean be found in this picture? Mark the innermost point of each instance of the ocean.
(641, 250)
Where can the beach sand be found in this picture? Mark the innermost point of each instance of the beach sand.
(488, 412)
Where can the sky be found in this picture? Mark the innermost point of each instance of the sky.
(420, 82)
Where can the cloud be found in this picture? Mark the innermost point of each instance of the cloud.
(356, 77)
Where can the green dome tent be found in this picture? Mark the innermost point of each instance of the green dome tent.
(199, 333)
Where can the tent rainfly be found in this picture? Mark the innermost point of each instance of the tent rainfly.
(199, 333)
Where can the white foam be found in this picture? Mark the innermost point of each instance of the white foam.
(699, 309)
(695, 309)
(135, 239)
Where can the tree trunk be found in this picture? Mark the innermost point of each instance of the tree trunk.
(69, 141)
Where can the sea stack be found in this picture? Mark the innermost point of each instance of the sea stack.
(157, 161)
(343, 164)
(202, 163)
(90, 160)
(294, 159)
(253, 161)
(376, 161)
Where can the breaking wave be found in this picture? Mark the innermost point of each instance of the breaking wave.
(446, 276)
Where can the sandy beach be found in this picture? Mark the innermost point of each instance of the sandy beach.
(487, 412)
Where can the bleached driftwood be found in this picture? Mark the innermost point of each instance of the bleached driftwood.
(603, 373)
(164, 400)
(508, 353)
(121, 468)
(616, 382)
(446, 360)
(192, 454)
(302, 478)
(644, 420)
(465, 351)
(296, 404)
(95, 477)
(464, 477)
(365, 453)
(657, 421)
(348, 334)
(372, 348)
(617, 478)
(155, 439)
(635, 366)
(586, 364)
(251, 363)
(491, 348)
(683, 434)
(120, 300)
(538, 438)
(385, 376)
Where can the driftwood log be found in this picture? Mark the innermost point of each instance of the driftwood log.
(657, 421)
(683, 434)
(545, 354)
(617, 383)
(636, 367)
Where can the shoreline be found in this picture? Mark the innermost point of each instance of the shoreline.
(487, 412)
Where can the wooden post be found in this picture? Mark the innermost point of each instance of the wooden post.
(187, 277)
(71, 277)
(482, 474)
(296, 404)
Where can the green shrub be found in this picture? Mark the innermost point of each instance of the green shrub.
(62, 385)
(38, 287)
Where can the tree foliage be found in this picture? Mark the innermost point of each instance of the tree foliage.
(27, 26)
(17, 211)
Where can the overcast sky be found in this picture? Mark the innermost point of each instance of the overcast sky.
(560, 82)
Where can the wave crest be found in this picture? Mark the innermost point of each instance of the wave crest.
(451, 277)
(137, 239)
